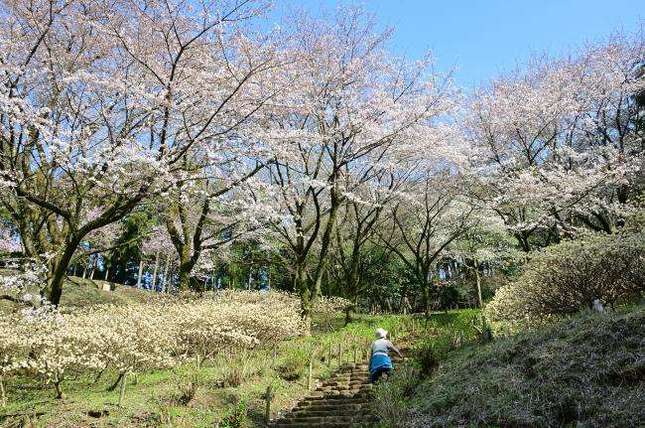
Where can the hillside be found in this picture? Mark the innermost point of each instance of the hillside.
(79, 292)
(82, 292)
(584, 371)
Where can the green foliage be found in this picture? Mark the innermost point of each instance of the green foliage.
(188, 387)
(437, 337)
(238, 369)
(585, 371)
(293, 367)
(127, 250)
(452, 294)
(567, 277)
(383, 277)
(236, 418)
(448, 333)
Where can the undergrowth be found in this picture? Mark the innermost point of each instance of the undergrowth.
(587, 370)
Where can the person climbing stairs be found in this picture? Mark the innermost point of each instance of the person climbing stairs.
(340, 401)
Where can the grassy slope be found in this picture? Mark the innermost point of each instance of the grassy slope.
(154, 398)
(588, 370)
(79, 292)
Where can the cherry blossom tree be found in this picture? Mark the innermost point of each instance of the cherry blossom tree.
(429, 214)
(485, 245)
(102, 101)
(208, 217)
(350, 103)
(359, 221)
(560, 143)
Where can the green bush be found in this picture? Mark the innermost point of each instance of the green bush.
(567, 277)
(452, 295)
(188, 388)
(239, 368)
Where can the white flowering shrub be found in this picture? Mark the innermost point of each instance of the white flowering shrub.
(51, 345)
(14, 348)
(567, 277)
(329, 306)
(130, 338)
(57, 346)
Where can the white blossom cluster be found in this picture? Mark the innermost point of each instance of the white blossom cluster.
(331, 305)
(53, 345)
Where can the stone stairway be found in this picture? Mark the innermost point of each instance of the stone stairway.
(340, 401)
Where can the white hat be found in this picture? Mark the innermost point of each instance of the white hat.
(381, 333)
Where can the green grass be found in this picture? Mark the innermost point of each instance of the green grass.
(587, 370)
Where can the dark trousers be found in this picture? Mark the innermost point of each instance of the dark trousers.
(378, 373)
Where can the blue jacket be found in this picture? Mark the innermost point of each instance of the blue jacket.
(380, 361)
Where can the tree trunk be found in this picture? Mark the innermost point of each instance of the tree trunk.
(523, 239)
(57, 386)
(325, 245)
(117, 382)
(164, 285)
(140, 274)
(184, 275)
(93, 269)
(306, 301)
(479, 286)
(57, 273)
(426, 298)
(122, 390)
(3, 394)
(154, 272)
(187, 261)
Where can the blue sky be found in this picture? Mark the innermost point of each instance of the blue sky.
(481, 38)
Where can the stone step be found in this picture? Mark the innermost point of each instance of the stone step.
(330, 403)
(290, 424)
(336, 394)
(332, 411)
(336, 399)
(318, 420)
(342, 387)
(339, 401)
(356, 389)
(332, 407)
(359, 423)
